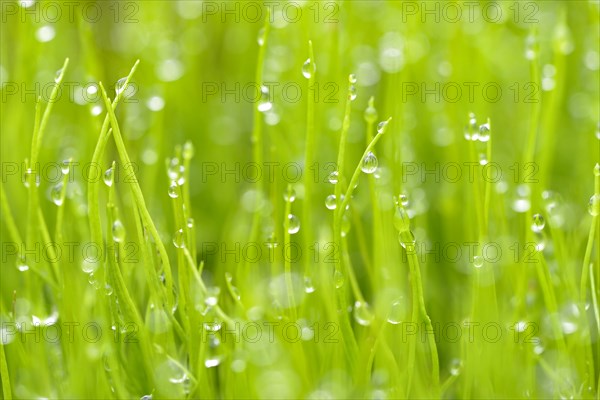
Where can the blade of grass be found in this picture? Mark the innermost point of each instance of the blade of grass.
(139, 198)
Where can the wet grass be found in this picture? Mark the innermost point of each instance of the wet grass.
(375, 273)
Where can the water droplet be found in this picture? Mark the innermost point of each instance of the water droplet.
(108, 290)
(56, 194)
(455, 366)
(597, 170)
(293, 224)
(120, 85)
(89, 266)
(290, 195)
(540, 242)
(173, 190)
(345, 224)
(212, 298)
(531, 47)
(188, 150)
(308, 285)
(369, 163)
(190, 223)
(521, 205)
(65, 166)
(478, 261)
(146, 397)
(109, 176)
(550, 198)
(352, 78)
(330, 202)
(403, 200)
(174, 169)
(520, 326)
(118, 231)
(483, 159)
(538, 223)
(563, 39)
(407, 240)
(261, 37)
(179, 239)
(362, 313)
(30, 175)
(22, 264)
(471, 128)
(308, 68)
(338, 279)
(538, 347)
(181, 175)
(382, 126)
(155, 103)
(333, 177)
(594, 206)
(264, 104)
(352, 93)
(57, 75)
(214, 354)
(484, 133)
(568, 327)
(96, 110)
(396, 312)
(370, 114)
(238, 365)
(272, 241)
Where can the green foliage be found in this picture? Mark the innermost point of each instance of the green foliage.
(420, 226)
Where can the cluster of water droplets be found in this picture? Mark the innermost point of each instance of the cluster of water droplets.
(293, 222)
(478, 133)
(176, 171)
(352, 88)
(532, 47)
(402, 224)
(58, 191)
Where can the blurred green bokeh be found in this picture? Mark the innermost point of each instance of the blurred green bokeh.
(426, 67)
